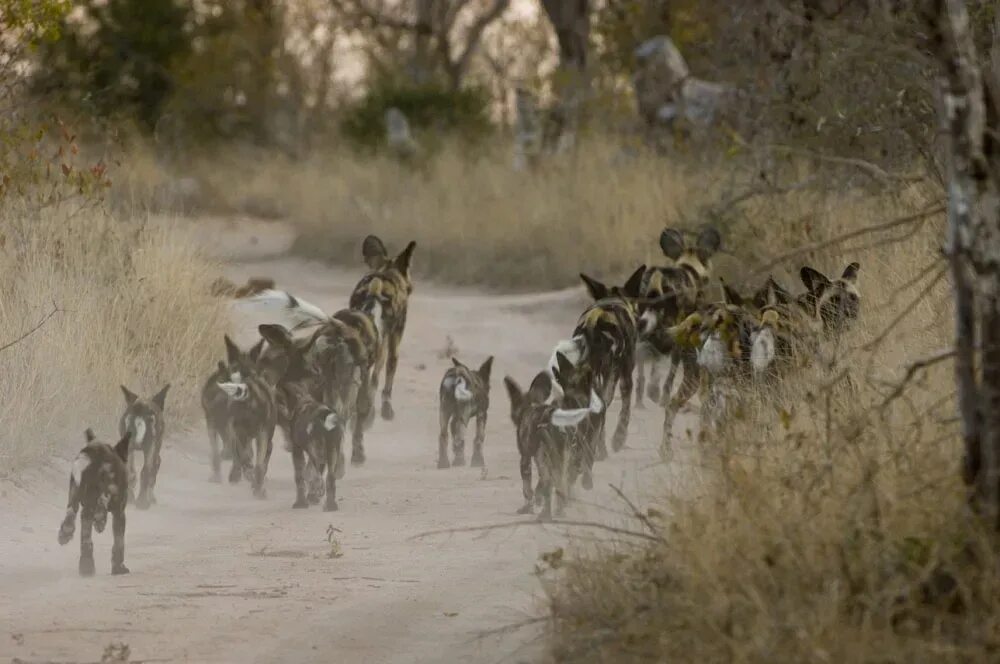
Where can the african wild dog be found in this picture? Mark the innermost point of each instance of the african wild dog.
(384, 294)
(834, 302)
(464, 394)
(790, 330)
(98, 485)
(251, 416)
(606, 335)
(215, 404)
(575, 384)
(143, 419)
(315, 435)
(340, 354)
(545, 437)
(671, 293)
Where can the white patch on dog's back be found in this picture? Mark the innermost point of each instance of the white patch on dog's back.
(80, 464)
(762, 349)
(462, 392)
(712, 354)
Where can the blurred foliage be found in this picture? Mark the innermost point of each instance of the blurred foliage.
(34, 20)
(436, 107)
(114, 56)
(40, 161)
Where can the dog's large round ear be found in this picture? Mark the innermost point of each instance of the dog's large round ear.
(709, 242)
(160, 398)
(814, 280)
(374, 252)
(541, 387)
(276, 335)
(633, 287)
(597, 290)
(730, 295)
(233, 352)
(89, 436)
(456, 363)
(130, 396)
(672, 243)
(563, 367)
(402, 261)
(850, 274)
(485, 369)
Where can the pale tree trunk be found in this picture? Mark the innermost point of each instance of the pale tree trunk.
(973, 245)
(570, 20)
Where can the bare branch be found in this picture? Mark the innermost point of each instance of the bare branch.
(911, 372)
(55, 310)
(637, 513)
(475, 34)
(840, 239)
(516, 524)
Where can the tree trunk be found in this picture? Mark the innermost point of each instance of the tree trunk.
(570, 20)
(973, 247)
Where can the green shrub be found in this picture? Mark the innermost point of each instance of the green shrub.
(427, 107)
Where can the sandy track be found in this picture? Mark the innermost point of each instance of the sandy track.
(220, 577)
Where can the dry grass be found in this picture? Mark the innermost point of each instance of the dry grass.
(133, 307)
(474, 219)
(828, 520)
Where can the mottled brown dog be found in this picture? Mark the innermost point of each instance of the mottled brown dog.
(251, 416)
(143, 420)
(316, 437)
(98, 486)
(384, 294)
(545, 434)
(464, 394)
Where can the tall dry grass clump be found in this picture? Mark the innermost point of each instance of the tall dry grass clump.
(475, 220)
(826, 520)
(121, 303)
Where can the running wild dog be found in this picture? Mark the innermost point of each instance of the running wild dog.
(575, 385)
(143, 420)
(464, 394)
(215, 404)
(251, 416)
(98, 485)
(545, 437)
(316, 436)
(384, 293)
(606, 334)
(685, 280)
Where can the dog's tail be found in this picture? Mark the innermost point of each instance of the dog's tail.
(300, 312)
(68, 527)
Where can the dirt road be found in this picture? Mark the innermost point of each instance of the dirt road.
(220, 577)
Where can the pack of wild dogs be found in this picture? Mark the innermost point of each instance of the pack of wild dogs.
(317, 379)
